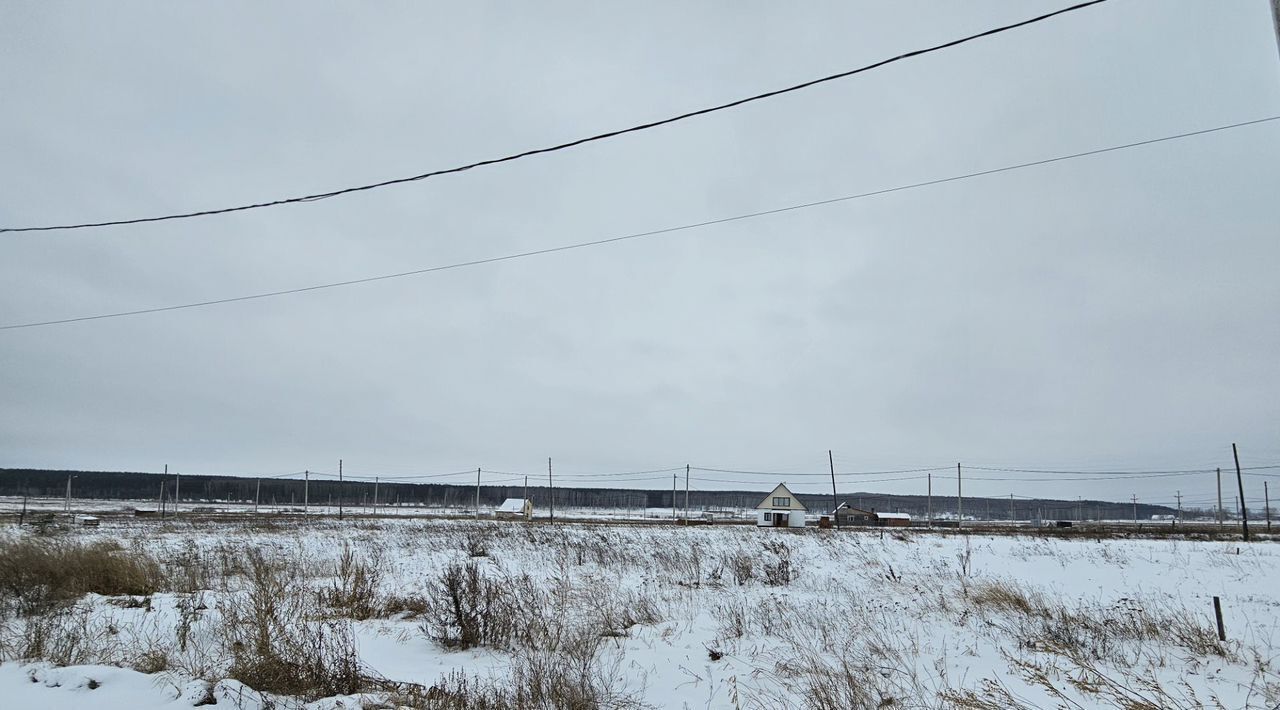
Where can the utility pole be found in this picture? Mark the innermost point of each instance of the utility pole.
(257, 494)
(929, 504)
(1275, 19)
(177, 491)
(67, 507)
(674, 516)
(1266, 496)
(1135, 508)
(1178, 517)
(551, 484)
(959, 498)
(161, 508)
(834, 503)
(26, 490)
(375, 493)
(1219, 498)
(339, 489)
(686, 491)
(306, 494)
(1244, 507)
(1010, 507)
(477, 494)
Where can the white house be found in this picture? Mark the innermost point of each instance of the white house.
(780, 509)
(514, 508)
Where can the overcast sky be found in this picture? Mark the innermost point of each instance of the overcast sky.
(1114, 312)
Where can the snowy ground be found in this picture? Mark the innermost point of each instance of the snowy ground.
(666, 617)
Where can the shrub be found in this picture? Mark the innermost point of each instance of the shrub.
(36, 573)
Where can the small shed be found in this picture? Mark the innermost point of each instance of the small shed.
(780, 509)
(893, 520)
(514, 509)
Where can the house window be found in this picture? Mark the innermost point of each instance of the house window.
(782, 502)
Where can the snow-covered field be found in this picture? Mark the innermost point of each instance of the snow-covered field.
(457, 613)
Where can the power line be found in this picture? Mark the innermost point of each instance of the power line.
(563, 146)
(637, 235)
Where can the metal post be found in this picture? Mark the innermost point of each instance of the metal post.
(959, 499)
(1244, 506)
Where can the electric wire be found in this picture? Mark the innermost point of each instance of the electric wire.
(563, 146)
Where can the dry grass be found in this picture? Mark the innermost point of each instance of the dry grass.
(37, 573)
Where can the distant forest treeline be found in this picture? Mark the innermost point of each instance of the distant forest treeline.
(145, 488)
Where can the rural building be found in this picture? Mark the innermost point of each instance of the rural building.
(847, 515)
(780, 509)
(514, 508)
(893, 520)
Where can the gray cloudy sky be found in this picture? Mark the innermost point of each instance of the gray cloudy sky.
(1118, 311)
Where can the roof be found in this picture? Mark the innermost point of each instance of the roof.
(893, 516)
(781, 491)
(512, 505)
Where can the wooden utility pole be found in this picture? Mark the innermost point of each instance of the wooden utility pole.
(306, 493)
(375, 494)
(257, 494)
(686, 491)
(477, 494)
(339, 489)
(1178, 518)
(160, 506)
(1266, 496)
(177, 490)
(1219, 497)
(674, 515)
(1010, 507)
(929, 503)
(552, 493)
(835, 504)
(67, 507)
(1275, 20)
(959, 499)
(1244, 507)
(26, 490)
(1135, 508)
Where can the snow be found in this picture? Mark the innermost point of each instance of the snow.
(725, 634)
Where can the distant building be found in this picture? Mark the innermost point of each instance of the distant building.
(514, 509)
(780, 509)
(850, 516)
(893, 520)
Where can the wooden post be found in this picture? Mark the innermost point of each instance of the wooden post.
(686, 492)
(1266, 500)
(1244, 507)
(1219, 498)
(835, 504)
(959, 499)
(929, 504)
(552, 493)
(1217, 613)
